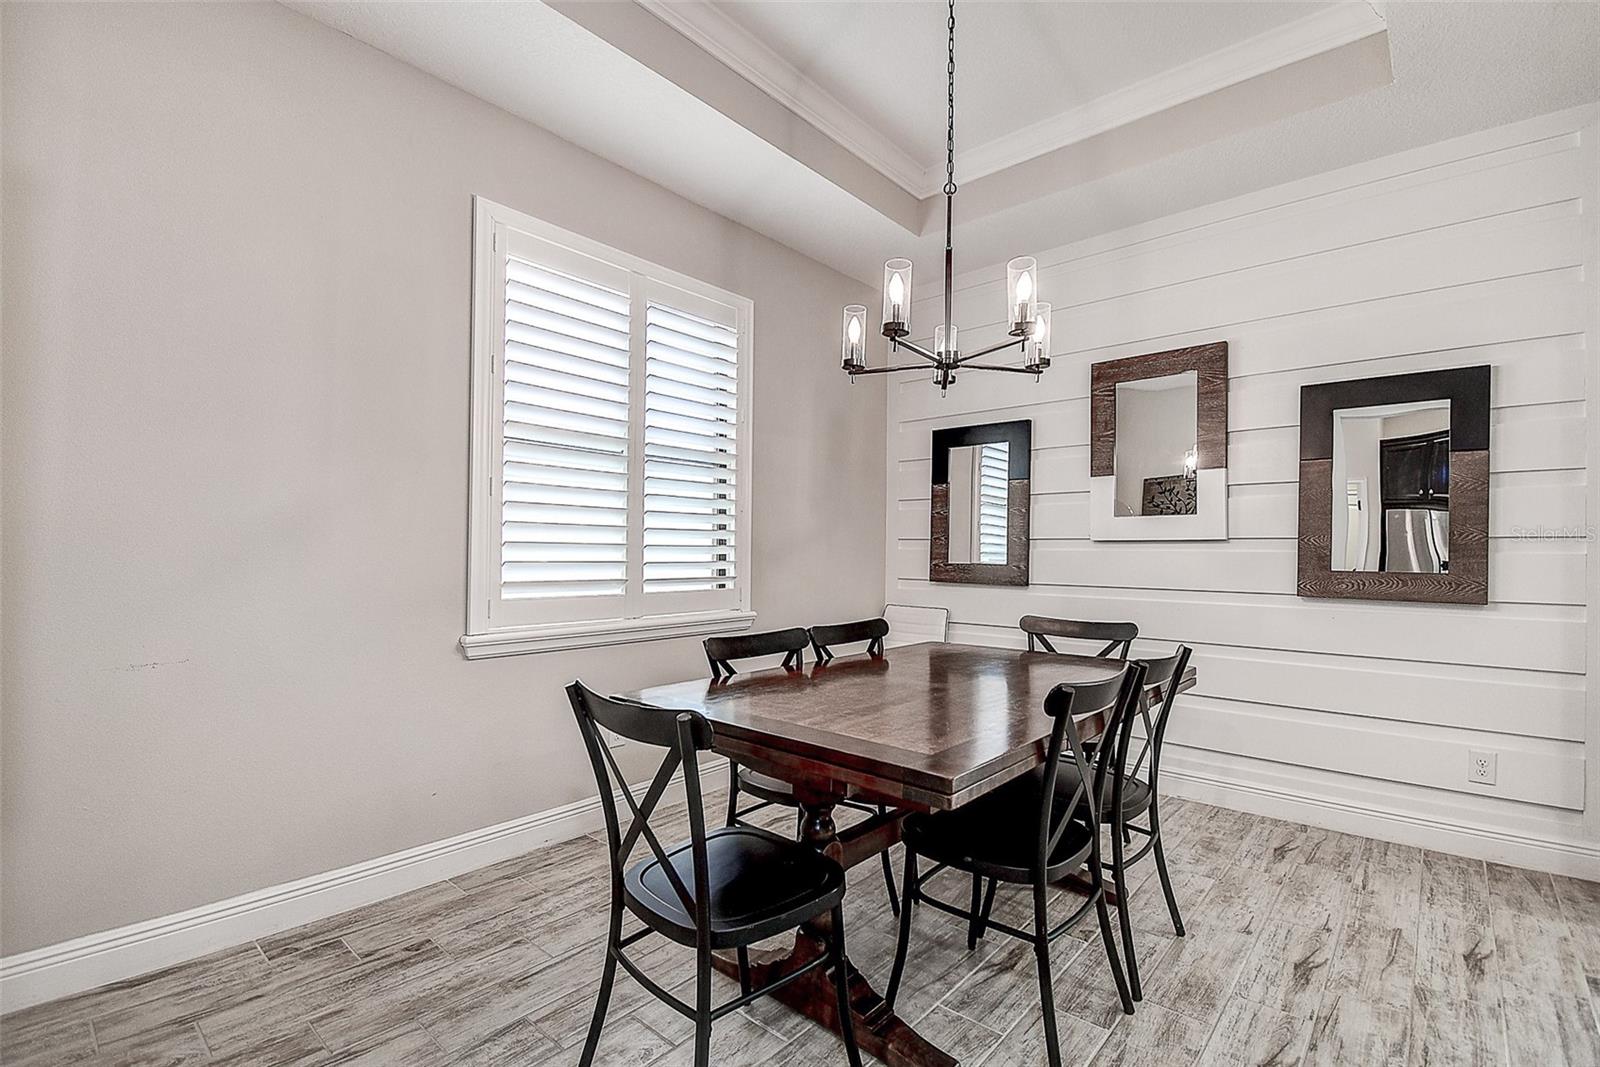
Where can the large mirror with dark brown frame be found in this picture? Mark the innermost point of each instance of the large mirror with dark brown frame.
(1394, 488)
(979, 523)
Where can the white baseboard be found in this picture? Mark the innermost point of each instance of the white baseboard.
(84, 963)
(1575, 859)
(87, 962)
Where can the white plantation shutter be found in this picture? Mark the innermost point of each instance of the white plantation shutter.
(992, 512)
(690, 452)
(607, 496)
(564, 506)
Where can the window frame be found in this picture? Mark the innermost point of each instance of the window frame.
(498, 627)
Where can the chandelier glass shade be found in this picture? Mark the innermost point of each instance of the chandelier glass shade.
(1027, 318)
(896, 298)
(855, 336)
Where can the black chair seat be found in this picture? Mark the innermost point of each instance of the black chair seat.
(760, 885)
(997, 836)
(766, 787)
(1135, 794)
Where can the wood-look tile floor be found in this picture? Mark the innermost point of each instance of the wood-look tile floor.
(1303, 947)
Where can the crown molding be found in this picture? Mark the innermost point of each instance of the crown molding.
(746, 55)
(1316, 33)
(735, 47)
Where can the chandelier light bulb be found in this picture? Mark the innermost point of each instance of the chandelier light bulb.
(897, 291)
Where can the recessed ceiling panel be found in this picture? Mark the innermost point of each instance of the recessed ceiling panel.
(1017, 63)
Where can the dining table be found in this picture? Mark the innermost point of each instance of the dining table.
(918, 728)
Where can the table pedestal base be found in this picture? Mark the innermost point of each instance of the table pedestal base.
(879, 1031)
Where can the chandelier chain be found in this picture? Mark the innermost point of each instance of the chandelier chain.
(950, 129)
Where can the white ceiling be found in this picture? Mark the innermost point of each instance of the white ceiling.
(1017, 63)
(781, 115)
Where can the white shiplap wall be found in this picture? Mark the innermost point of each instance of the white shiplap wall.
(1348, 714)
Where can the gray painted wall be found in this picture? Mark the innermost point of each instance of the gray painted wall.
(236, 315)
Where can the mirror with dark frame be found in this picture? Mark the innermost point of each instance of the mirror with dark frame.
(1394, 488)
(980, 509)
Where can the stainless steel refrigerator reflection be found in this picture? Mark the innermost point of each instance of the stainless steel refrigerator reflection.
(1416, 540)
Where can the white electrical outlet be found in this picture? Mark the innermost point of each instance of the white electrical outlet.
(612, 740)
(1481, 766)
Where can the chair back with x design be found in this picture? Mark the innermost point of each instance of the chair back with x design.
(684, 734)
(1040, 629)
(1115, 698)
(1166, 673)
(722, 651)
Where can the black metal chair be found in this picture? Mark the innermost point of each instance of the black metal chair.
(872, 631)
(1025, 834)
(1128, 796)
(1040, 629)
(720, 653)
(725, 889)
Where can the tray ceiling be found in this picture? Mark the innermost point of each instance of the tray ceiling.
(799, 120)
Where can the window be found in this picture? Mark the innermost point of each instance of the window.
(610, 445)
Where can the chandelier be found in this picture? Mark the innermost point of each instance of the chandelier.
(1029, 317)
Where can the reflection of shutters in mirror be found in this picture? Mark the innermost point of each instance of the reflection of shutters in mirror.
(992, 503)
(1355, 537)
(691, 421)
(564, 516)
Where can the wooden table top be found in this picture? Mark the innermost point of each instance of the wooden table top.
(928, 726)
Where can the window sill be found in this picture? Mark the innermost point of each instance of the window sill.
(554, 637)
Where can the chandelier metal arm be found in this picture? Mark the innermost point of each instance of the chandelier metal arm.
(1007, 370)
(917, 350)
(980, 353)
(854, 371)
